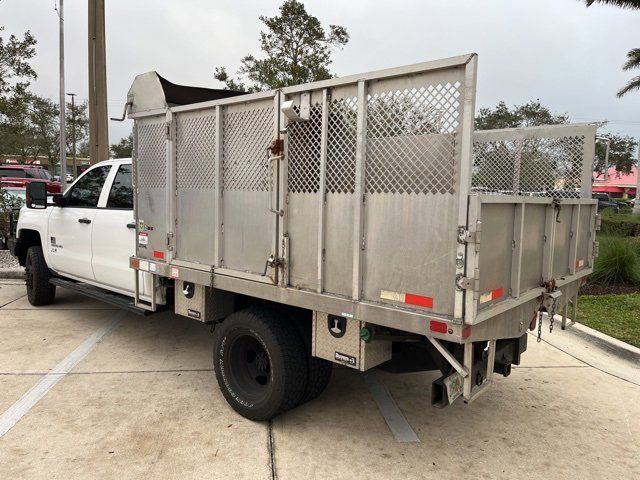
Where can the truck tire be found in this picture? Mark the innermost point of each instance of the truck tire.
(318, 378)
(39, 290)
(260, 363)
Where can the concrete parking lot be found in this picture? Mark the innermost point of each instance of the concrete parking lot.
(143, 403)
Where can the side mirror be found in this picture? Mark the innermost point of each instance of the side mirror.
(36, 195)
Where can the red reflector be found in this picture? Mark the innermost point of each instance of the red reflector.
(497, 293)
(158, 254)
(135, 263)
(466, 332)
(436, 326)
(419, 300)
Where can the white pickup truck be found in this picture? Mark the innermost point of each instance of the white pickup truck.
(86, 235)
(358, 221)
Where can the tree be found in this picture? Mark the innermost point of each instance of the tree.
(616, 3)
(633, 56)
(15, 71)
(526, 115)
(77, 121)
(633, 61)
(45, 125)
(124, 148)
(621, 154)
(297, 50)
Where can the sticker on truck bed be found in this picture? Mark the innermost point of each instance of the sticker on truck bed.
(143, 239)
(408, 298)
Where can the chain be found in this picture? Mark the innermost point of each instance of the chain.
(552, 315)
(539, 326)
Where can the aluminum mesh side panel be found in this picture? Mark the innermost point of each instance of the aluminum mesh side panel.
(195, 150)
(247, 134)
(341, 145)
(410, 139)
(541, 161)
(304, 153)
(195, 181)
(151, 153)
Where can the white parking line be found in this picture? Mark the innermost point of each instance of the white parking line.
(19, 409)
(392, 414)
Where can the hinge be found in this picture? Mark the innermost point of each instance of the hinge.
(170, 241)
(363, 243)
(598, 222)
(469, 283)
(596, 249)
(168, 131)
(470, 235)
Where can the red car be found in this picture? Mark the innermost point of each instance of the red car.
(18, 176)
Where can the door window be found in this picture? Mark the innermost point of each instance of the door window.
(121, 194)
(86, 191)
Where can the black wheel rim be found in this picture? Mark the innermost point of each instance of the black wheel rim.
(249, 367)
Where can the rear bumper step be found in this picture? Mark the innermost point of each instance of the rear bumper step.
(115, 299)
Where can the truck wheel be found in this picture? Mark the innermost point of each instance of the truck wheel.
(39, 290)
(318, 378)
(260, 363)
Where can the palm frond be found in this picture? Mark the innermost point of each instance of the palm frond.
(634, 4)
(633, 59)
(634, 84)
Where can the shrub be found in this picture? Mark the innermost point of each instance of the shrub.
(622, 225)
(618, 262)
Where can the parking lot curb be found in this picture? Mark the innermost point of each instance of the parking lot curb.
(12, 273)
(610, 344)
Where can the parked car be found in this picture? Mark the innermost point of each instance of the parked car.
(605, 202)
(18, 176)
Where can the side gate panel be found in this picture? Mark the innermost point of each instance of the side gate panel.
(150, 175)
(321, 192)
(195, 186)
(249, 227)
(412, 181)
(303, 194)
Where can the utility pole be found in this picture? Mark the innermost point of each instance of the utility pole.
(98, 128)
(63, 140)
(73, 132)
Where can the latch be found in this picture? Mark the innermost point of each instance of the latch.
(272, 262)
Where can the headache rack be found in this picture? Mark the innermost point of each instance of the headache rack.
(369, 197)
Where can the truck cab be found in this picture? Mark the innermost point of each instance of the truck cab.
(87, 234)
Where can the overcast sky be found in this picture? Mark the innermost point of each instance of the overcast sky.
(566, 55)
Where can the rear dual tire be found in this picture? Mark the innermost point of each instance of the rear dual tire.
(263, 365)
(260, 363)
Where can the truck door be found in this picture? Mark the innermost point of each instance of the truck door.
(70, 227)
(114, 234)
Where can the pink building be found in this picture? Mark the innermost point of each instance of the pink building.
(619, 185)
